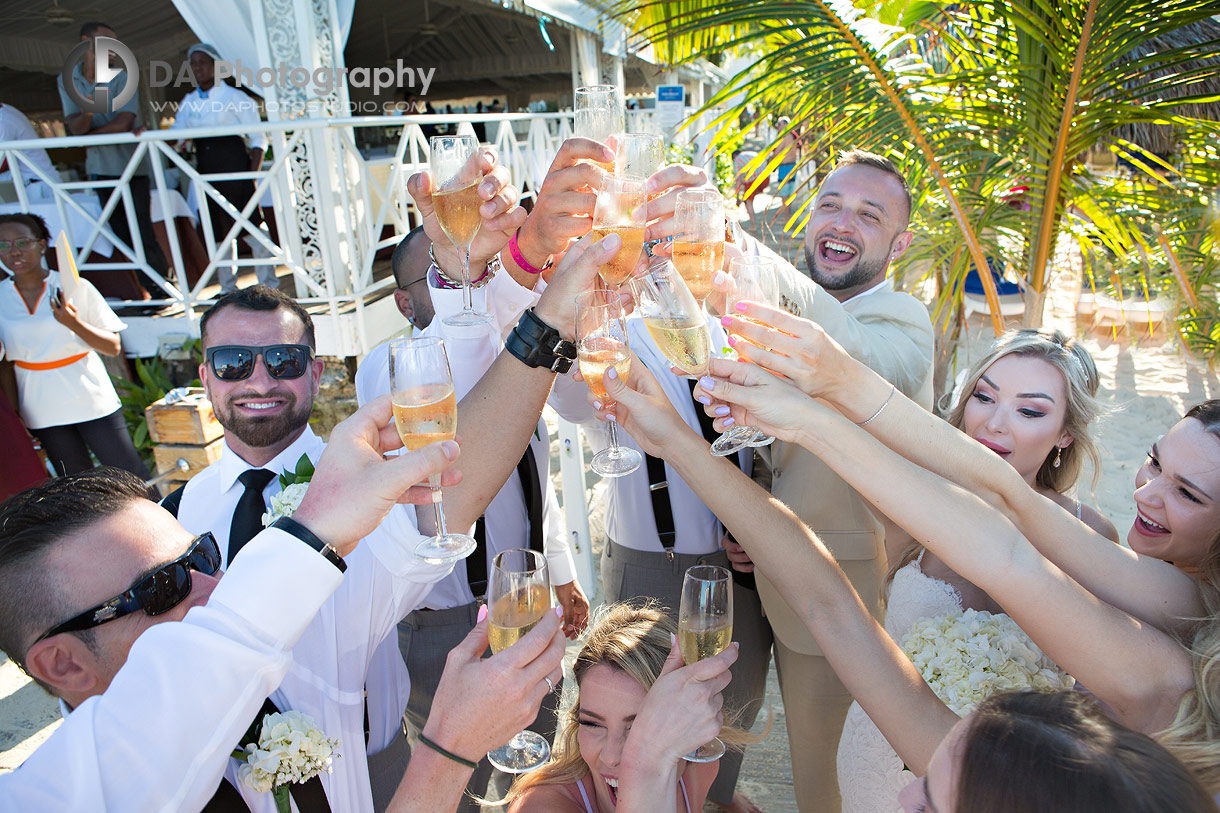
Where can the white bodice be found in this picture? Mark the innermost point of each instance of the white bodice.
(870, 773)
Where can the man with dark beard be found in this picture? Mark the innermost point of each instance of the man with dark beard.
(261, 377)
(857, 228)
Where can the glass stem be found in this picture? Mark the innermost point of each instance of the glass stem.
(466, 292)
(435, 482)
(613, 434)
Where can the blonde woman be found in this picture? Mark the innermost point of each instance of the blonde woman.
(1029, 400)
(1017, 752)
(1111, 617)
(621, 742)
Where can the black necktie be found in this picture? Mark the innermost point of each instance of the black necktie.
(705, 421)
(309, 796)
(476, 563)
(248, 517)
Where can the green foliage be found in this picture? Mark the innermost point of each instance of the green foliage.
(152, 383)
(972, 100)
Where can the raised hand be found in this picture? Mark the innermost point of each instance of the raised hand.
(796, 348)
(500, 212)
(354, 486)
(663, 187)
(684, 708)
(755, 397)
(575, 274)
(482, 702)
(641, 408)
(563, 211)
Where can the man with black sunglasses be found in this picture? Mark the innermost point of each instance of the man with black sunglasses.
(89, 568)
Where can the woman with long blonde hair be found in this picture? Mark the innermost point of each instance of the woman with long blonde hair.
(1114, 618)
(625, 701)
(1030, 399)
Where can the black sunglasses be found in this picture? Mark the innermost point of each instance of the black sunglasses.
(234, 362)
(157, 593)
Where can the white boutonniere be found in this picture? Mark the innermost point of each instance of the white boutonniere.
(283, 749)
(293, 485)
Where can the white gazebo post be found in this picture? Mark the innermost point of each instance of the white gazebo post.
(317, 214)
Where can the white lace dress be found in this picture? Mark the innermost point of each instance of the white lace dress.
(870, 773)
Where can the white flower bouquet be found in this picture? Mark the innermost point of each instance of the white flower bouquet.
(290, 749)
(970, 655)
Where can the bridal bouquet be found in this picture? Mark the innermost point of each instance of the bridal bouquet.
(290, 748)
(970, 655)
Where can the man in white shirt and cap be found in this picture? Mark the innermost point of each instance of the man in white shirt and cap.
(216, 104)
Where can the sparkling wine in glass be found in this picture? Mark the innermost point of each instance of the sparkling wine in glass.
(705, 629)
(754, 279)
(698, 249)
(620, 210)
(518, 596)
(456, 178)
(637, 155)
(599, 114)
(425, 411)
(674, 320)
(601, 334)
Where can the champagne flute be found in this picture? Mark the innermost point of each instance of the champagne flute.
(705, 629)
(674, 319)
(599, 114)
(601, 333)
(754, 279)
(457, 203)
(620, 210)
(425, 411)
(698, 249)
(518, 596)
(637, 155)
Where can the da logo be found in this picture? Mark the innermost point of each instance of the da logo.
(102, 48)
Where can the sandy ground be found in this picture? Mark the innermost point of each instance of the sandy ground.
(1147, 381)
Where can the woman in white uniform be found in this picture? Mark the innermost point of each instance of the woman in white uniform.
(66, 398)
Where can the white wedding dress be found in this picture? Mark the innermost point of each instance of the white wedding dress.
(870, 773)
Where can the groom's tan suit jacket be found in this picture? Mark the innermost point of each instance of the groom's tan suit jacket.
(891, 333)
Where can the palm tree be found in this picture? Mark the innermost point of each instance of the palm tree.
(971, 100)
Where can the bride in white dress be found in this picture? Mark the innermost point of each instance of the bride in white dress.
(1030, 400)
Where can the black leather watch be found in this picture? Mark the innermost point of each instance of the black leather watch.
(291, 526)
(537, 344)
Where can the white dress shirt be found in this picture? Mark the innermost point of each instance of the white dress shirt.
(14, 126)
(221, 106)
(350, 648)
(630, 520)
(150, 743)
(471, 352)
(60, 396)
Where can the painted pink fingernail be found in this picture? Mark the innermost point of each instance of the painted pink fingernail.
(740, 306)
(559, 611)
(612, 373)
(726, 320)
(728, 422)
(482, 614)
(707, 383)
(597, 404)
(732, 341)
(721, 411)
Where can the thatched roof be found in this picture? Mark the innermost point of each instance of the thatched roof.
(1160, 139)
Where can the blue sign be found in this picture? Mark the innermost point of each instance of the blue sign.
(671, 93)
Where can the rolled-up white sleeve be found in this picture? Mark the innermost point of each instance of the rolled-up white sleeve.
(159, 738)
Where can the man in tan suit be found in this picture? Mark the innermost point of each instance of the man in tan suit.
(858, 227)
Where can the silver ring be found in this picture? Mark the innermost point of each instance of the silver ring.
(550, 686)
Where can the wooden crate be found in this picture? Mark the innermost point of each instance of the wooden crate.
(188, 421)
(198, 457)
